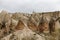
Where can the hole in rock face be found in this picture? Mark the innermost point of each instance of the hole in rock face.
(34, 34)
(3, 25)
(0, 25)
(59, 21)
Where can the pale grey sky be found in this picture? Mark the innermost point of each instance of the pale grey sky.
(29, 5)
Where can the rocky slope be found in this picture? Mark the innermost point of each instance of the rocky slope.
(24, 26)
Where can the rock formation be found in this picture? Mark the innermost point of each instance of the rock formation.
(28, 25)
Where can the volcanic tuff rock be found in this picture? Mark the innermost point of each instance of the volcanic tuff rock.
(32, 23)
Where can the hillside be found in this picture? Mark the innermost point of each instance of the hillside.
(35, 26)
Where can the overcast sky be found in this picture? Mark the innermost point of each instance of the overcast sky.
(29, 5)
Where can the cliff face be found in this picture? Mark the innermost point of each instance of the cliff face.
(45, 22)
